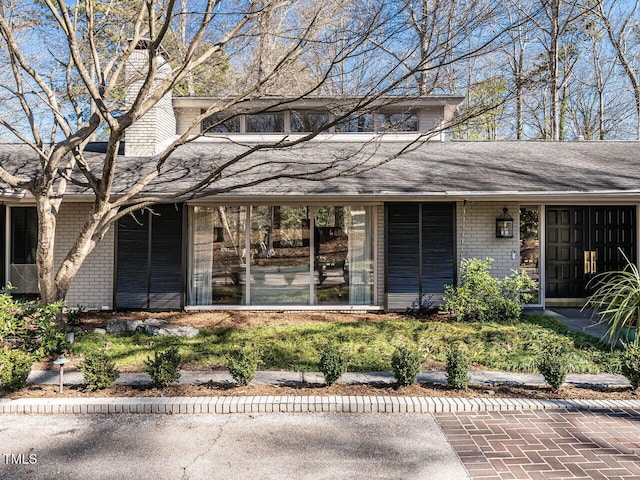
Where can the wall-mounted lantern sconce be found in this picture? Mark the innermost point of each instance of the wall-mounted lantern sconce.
(504, 225)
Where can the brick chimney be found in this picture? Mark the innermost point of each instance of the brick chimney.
(157, 128)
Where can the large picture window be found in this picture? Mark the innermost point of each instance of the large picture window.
(290, 255)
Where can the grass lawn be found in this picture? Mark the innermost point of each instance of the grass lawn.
(496, 346)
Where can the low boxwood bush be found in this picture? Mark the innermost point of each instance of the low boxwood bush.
(242, 364)
(630, 364)
(457, 369)
(163, 369)
(333, 363)
(553, 364)
(99, 371)
(405, 363)
(15, 366)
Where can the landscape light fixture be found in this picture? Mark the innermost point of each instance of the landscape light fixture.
(61, 360)
(504, 225)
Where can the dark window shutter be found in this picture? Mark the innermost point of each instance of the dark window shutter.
(437, 246)
(403, 247)
(166, 257)
(132, 261)
(149, 259)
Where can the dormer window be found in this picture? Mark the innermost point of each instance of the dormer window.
(357, 123)
(221, 124)
(308, 120)
(270, 122)
(398, 122)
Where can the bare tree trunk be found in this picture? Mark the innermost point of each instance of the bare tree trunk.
(45, 252)
(554, 106)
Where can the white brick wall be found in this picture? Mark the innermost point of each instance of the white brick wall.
(476, 225)
(93, 285)
(157, 128)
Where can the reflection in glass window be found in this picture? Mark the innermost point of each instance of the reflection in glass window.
(24, 239)
(343, 252)
(357, 123)
(265, 122)
(280, 255)
(398, 122)
(220, 124)
(530, 245)
(308, 120)
(297, 255)
(217, 255)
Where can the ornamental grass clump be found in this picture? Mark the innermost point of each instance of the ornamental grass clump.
(553, 364)
(630, 365)
(333, 363)
(15, 366)
(616, 299)
(99, 371)
(242, 365)
(163, 369)
(405, 363)
(457, 369)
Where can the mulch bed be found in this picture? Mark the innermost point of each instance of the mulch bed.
(420, 390)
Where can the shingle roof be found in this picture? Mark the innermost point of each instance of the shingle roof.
(429, 169)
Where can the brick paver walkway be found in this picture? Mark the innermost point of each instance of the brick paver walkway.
(539, 444)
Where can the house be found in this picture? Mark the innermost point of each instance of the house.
(378, 238)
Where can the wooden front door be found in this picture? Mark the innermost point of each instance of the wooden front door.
(582, 242)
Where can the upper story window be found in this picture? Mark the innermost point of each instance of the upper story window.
(398, 122)
(271, 122)
(308, 120)
(220, 124)
(357, 123)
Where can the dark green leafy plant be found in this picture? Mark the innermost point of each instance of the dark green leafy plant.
(99, 371)
(481, 297)
(163, 369)
(457, 369)
(630, 364)
(31, 326)
(333, 363)
(15, 366)
(616, 299)
(242, 364)
(553, 364)
(405, 363)
(74, 315)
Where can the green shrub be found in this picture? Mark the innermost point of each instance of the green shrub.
(163, 369)
(333, 363)
(99, 371)
(15, 366)
(553, 364)
(406, 362)
(457, 369)
(630, 366)
(74, 315)
(482, 297)
(242, 365)
(31, 326)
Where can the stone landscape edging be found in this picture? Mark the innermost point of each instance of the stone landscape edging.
(298, 404)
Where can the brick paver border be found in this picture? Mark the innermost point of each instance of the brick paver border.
(299, 404)
(531, 445)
